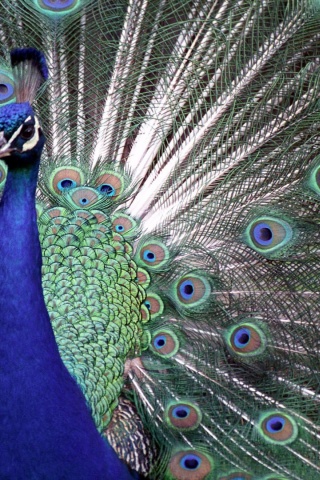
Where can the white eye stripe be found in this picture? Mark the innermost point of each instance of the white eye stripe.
(34, 140)
(17, 133)
(30, 143)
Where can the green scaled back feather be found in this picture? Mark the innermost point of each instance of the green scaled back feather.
(179, 219)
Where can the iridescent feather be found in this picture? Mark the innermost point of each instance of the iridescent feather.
(178, 214)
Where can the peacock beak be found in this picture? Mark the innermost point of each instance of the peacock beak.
(5, 149)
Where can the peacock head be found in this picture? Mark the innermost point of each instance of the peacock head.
(21, 137)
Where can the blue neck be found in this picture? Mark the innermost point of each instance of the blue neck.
(46, 430)
(22, 307)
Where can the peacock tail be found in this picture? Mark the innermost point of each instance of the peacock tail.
(178, 216)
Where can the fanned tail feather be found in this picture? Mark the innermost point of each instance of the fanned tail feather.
(183, 156)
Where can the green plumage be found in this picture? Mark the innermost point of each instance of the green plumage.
(179, 221)
(94, 301)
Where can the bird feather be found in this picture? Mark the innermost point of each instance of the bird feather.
(183, 151)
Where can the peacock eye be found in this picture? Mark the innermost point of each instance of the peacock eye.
(268, 235)
(277, 427)
(107, 189)
(58, 5)
(66, 184)
(27, 132)
(246, 339)
(110, 184)
(7, 94)
(6, 91)
(183, 415)
(190, 464)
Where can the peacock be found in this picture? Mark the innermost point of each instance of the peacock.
(28, 450)
(177, 209)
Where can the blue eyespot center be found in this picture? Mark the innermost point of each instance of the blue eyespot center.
(147, 304)
(107, 189)
(190, 462)
(58, 4)
(275, 424)
(84, 201)
(242, 337)
(149, 256)
(119, 228)
(187, 289)
(6, 90)
(263, 234)
(181, 412)
(160, 341)
(66, 183)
